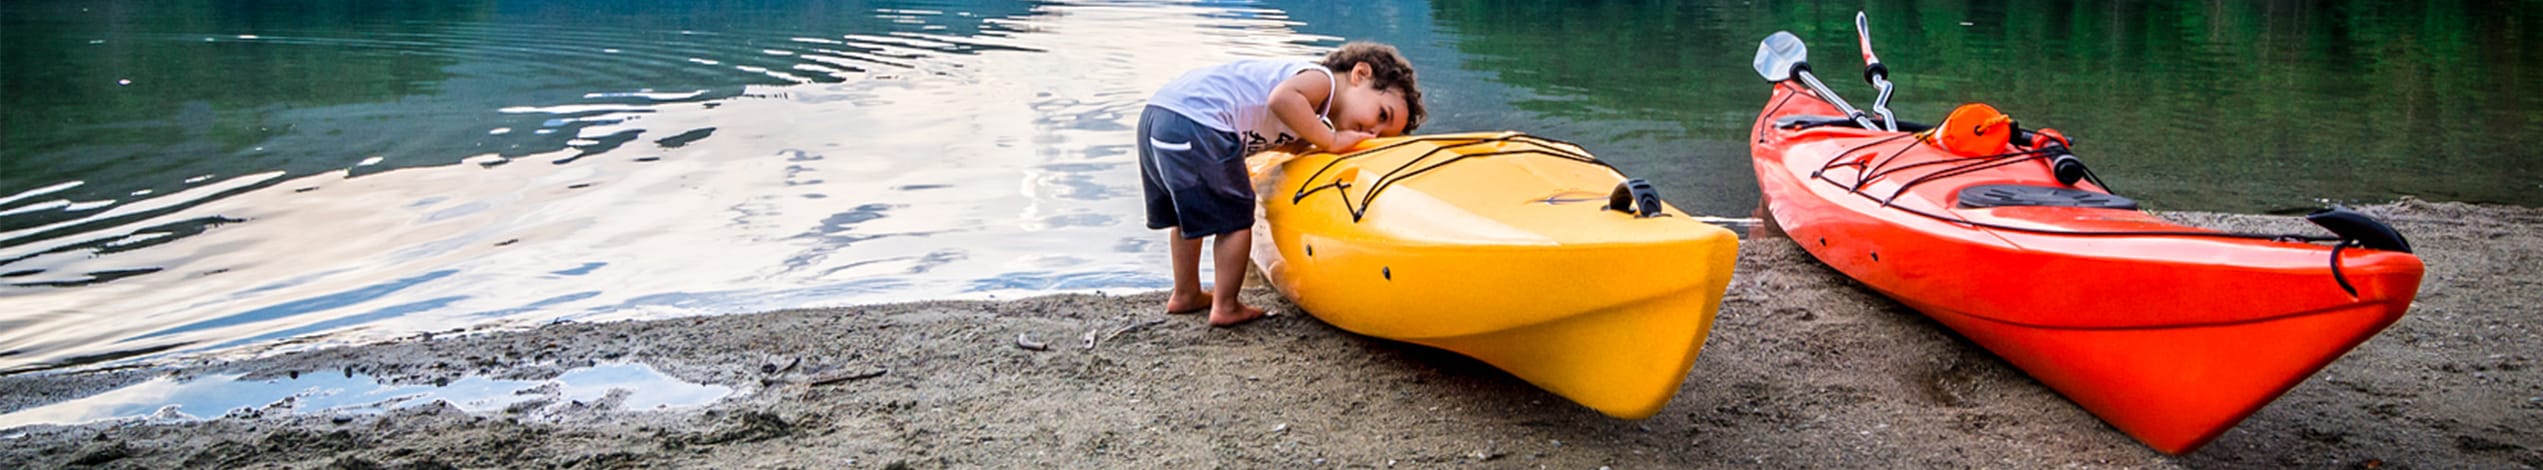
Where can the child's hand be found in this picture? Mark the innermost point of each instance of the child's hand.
(1345, 140)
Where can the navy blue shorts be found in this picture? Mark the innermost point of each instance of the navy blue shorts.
(1193, 176)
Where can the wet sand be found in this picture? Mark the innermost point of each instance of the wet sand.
(1804, 368)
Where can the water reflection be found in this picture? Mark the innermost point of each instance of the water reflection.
(624, 386)
(597, 161)
(186, 174)
(2231, 106)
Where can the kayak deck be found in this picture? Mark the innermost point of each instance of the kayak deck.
(1498, 247)
(2171, 333)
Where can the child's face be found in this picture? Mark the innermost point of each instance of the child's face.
(1367, 109)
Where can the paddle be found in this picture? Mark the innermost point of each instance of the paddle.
(1873, 72)
(1782, 57)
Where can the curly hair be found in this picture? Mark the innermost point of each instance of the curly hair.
(1389, 71)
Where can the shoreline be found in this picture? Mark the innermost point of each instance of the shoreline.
(1803, 368)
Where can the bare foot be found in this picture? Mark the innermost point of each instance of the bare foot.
(1243, 314)
(1180, 304)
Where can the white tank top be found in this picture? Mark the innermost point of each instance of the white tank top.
(1235, 97)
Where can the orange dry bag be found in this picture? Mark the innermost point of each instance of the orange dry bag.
(1975, 129)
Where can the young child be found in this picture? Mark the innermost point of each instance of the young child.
(1195, 134)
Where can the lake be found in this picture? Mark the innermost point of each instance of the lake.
(181, 176)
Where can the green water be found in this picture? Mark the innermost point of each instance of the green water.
(2225, 106)
(193, 175)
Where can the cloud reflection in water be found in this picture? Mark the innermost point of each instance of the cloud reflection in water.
(878, 165)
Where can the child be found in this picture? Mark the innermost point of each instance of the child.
(1195, 134)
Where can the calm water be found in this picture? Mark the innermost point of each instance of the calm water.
(185, 176)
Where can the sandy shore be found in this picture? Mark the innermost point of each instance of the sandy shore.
(1805, 368)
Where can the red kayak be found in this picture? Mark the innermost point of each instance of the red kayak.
(2170, 333)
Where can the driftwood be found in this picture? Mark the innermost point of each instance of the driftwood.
(849, 377)
(1092, 338)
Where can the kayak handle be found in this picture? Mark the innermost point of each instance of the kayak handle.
(1635, 196)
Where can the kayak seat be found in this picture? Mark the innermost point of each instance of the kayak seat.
(2007, 195)
(1806, 121)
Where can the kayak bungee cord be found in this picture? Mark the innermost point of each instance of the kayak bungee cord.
(1467, 141)
(2000, 161)
(1872, 171)
(1880, 168)
(1993, 161)
(1770, 111)
(1399, 173)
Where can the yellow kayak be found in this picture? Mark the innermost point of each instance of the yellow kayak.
(1520, 251)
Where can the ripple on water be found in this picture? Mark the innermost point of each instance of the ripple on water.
(1086, 181)
(634, 386)
(927, 151)
(1043, 281)
(839, 222)
(1077, 220)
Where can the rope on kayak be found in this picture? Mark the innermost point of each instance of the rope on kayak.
(1770, 111)
(1875, 169)
(1961, 170)
(1540, 146)
(1974, 164)
(1870, 170)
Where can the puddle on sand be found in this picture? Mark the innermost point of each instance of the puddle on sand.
(207, 397)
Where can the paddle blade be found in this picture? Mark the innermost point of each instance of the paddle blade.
(1779, 54)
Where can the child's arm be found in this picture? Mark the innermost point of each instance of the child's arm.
(1294, 103)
